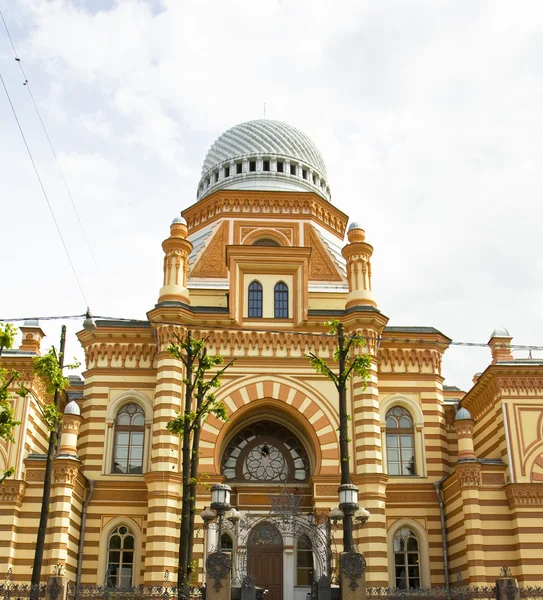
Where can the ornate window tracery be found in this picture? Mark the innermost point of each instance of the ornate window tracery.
(129, 440)
(255, 300)
(406, 559)
(265, 452)
(280, 300)
(400, 442)
(120, 557)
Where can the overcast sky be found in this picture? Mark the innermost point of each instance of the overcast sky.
(428, 116)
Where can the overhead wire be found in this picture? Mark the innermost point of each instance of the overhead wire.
(128, 320)
(26, 83)
(43, 191)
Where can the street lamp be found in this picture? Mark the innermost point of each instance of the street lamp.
(348, 504)
(220, 502)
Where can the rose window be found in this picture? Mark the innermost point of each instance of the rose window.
(267, 452)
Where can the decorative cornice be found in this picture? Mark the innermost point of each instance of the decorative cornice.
(265, 204)
(130, 355)
(404, 360)
(528, 494)
(12, 492)
(503, 380)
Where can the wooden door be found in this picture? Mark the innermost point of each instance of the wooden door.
(265, 556)
(268, 571)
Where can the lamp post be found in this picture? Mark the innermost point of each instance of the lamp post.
(348, 504)
(220, 502)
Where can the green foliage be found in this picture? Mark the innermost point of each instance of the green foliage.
(48, 369)
(193, 354)
(7, 378)
(52, 416)
(355, 364)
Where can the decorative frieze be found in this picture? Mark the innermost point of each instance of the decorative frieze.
(129, 355)
(409, 360)
(259, 203)
(524, 495)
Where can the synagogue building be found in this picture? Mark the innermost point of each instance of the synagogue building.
(257, 265)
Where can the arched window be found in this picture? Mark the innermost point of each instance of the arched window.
(406, 559)
(129, 437)
(304, 561)
(255, 300)
(280, 300)
(265, 452)
(266, 242)
(400, 442)
(120, 558)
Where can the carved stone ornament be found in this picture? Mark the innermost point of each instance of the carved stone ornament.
(65, 475)
(464, 429)
(525, 495)
(70, 426)
(353, 566)
(12, 492)
(469, 476)
(218, 565)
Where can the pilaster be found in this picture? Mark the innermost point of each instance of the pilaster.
(162, 541)
(372, 537)
(469, 477)
(65, 471)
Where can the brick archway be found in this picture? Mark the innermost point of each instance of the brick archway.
(280, 399)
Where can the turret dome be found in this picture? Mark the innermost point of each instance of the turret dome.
(264, 155)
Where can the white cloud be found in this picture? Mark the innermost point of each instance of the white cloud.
(427, 113)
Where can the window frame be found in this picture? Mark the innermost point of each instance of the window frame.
(421, 535)
(280, 297)
(406, 554)
(121, 551)
(311, 569)
(255, 300)
(400, 433)
(416, 413)
(130, 430)
(115, 404)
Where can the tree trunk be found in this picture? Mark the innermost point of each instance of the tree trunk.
(44, 514)
(193, 484)
(185, 465)
(343, 417)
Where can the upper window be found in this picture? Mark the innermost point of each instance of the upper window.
(120, 558)
(266, 242)
(266, 452)
(304, 561)
(129, 437)
(255, 300)
(406, 559)
(280, 299)
(400, 442)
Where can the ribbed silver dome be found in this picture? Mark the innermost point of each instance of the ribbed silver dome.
(263, 155)
(462, 414)
(72, 408)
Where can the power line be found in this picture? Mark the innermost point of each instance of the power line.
(27, 84)
(43, 190)
(386, 338)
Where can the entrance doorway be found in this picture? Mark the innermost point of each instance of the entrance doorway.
(265, 559)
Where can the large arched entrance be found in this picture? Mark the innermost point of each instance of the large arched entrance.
(265, 559)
